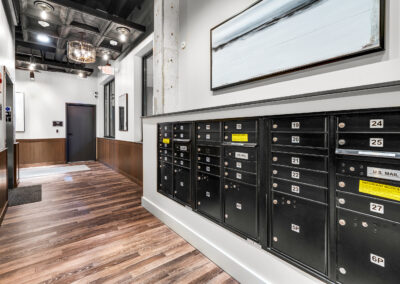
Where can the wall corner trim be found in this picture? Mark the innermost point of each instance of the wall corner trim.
(229, 264)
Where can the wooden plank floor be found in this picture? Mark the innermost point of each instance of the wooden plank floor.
(92, 229)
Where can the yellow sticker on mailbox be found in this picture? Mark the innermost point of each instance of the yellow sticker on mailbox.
(240, 137)
(381, 190)
(165, 140)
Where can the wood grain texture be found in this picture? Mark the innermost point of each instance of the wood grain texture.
(122, 156)
(41, 152)
(94, 230)
(3, 183)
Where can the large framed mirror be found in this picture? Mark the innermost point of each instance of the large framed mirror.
(123, 112)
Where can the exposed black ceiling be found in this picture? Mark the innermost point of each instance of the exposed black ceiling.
(94, 21)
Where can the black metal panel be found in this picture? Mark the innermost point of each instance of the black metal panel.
(299, 230)
(182, 155)
(372, 169)
(182, 185)
(369, 141)
(299, 124)
(300, 175)
(207, 159)
(165, 178)
(165, 152)
(368, 249)
(208, 150)
(208, 195)
(299, 189)
(240, 165)
(311, 162)
(369, 122)
(182, 163)
(241, 207)
(300, 139)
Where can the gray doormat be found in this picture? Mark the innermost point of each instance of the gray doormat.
(25, 195)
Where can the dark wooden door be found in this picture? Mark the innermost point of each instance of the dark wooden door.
(81, 132)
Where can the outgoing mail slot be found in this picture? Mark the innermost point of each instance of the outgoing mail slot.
(311, 162)
(370, 142)
(371, 206)
(241, 153)
(368, 249)
(165, 178)
(369, 122)
(241, 207)
(182, 185)
(299, 229)
(300, 175)
(208, 169)
(303, 190)
(246, 166)
(240, 176)
(209, 150)
(317, 124)
(182, 163)
(299, 139)
(369, 187)
(209, 137)
(208, 126)
(240, 126)
(243, 137)
(211, 160)
(208, 195)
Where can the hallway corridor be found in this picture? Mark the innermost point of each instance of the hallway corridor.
(91, 228)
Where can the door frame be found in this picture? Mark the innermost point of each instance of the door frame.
(66, 127)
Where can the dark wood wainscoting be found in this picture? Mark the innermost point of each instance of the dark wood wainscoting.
(41, 152)
(3, 184)
(124, 157)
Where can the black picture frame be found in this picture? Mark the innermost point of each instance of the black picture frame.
(381, 47)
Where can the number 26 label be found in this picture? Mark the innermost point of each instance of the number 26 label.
(376, 142)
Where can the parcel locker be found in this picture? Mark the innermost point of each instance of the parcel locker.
(165, 178)
(208, 195)
(241, 207)
(182, 185)
(299, 230)
(368, 249)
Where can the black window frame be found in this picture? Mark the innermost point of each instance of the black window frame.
(111, 119)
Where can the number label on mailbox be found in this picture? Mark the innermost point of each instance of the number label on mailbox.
(238, 175)
(208, 136)
(377, 208)
(296, 139)
(240, 155)
(295, 161)
(295, 175)
(208, 159)
(376, 142)
(295, 228)
(183, 148)
(181, 127)
(208, 127)
(208, 194)
(376, 123)
(238, 165)
(378, 260)
(239, 206)
(165, 127)
(295, 189)
(208, 169)
(295, 125)
(181, 135)
(238, 126)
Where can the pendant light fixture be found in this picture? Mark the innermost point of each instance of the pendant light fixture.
(81, 51)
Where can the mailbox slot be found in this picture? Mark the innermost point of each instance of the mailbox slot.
(240, 126)
(313, 124)
(241, 165)
(209, 137)
(301, 175)
(182, 184)
(300, 139)
(369, 122)
(208, 195)
(298, 160)
(209, 126)
(298, 189)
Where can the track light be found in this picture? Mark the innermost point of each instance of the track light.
(32, 76)
(43, 38)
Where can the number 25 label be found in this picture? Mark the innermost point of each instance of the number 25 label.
(376, 142)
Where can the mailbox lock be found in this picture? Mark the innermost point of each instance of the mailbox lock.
(198, 158)
(199, 203)
(226, 137)
(342, 184)
(342, 201)
(226, 163)
(342, 222)
(226, 126)
(175, 154)
(275, 239)
(226, 216)
(226, 186)
(275, 201)
(275, 172)
(274, 185)
(275, 126)
(199, 167)
(342, 125)
(275, 159)
(198, 136)
(275, 139)
(174, 135)
(175, 171)
(226, 173)
(342, 270)
(234, 186)
(198, 149)
(175, 161)
(288, 202)
(198, 127)
(364, 224)
(352, 169)
(199, 178)
(342, 142)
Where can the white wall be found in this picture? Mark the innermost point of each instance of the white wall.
(45, 100)
(7, 59)
(198, 17)
(128, 79)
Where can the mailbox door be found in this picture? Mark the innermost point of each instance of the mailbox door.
(299, 139)
(209, 195)
(300, 175)
(209, 126)
(165, 178)
(182, 184)
(311, 162)
(316, 124)
(369, 142)
(299, 230)
(369, 122)
(368, 249)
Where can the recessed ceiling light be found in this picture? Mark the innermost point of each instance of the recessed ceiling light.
(123, 33)
(106, 56)
(43, 38)
(43, 15)
(44, 24)
(32, 66)
(45, 9)
(113, 42)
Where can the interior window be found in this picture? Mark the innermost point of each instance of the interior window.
(109, 109)
(147, 99)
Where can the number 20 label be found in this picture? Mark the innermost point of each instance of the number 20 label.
(376, 142)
